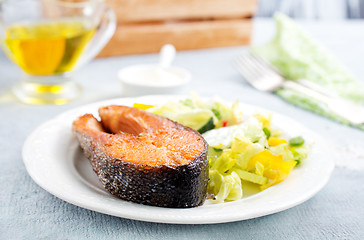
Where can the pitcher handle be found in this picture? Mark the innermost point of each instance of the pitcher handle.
(105, 32)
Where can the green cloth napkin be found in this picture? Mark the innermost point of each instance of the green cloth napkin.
(298, 56)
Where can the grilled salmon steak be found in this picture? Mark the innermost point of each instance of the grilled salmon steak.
(145, 158)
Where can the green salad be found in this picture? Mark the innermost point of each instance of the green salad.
(240, 152)
(251, 152)
(200, 115)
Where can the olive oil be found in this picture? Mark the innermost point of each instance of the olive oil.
(48, 47)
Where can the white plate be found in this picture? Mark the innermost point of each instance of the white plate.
(54, 160)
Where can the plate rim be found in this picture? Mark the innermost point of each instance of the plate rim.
(234, 218)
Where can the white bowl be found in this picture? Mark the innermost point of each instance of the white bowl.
(152, 79)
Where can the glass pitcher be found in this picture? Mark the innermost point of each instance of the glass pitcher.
(48, 40)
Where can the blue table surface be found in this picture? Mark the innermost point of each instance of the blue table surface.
(336, 212)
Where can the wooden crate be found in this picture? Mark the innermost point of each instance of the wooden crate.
(144, 26)
(149, 38)
(161, 10)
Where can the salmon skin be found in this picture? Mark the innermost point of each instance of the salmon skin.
(145, 158)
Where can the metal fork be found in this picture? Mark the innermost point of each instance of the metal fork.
(264, 77)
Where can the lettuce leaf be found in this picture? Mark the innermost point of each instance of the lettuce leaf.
(226, 187)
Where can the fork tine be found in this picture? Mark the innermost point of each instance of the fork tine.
(260, 66)
(253, 73)
(264, 63)
(242, 64)
(258, 73)
(247, 65)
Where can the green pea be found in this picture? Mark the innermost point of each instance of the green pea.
(266, 132)
(296, 142)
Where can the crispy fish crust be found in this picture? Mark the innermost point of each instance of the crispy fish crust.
(145, 158)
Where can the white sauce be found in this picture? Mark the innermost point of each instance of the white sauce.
(155, 76)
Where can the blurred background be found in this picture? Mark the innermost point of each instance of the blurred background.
(312, 9)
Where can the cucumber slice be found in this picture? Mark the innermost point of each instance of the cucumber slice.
(208, 126)
(198, 119)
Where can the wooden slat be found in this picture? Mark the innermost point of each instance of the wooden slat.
(149, 38)
(159, 10)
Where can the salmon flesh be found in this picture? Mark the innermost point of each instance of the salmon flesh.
(145, 158)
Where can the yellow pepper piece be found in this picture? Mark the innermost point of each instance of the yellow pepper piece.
(142, 106)
(275, 169)
(263, 158)
(276, 141)
(278, 173)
